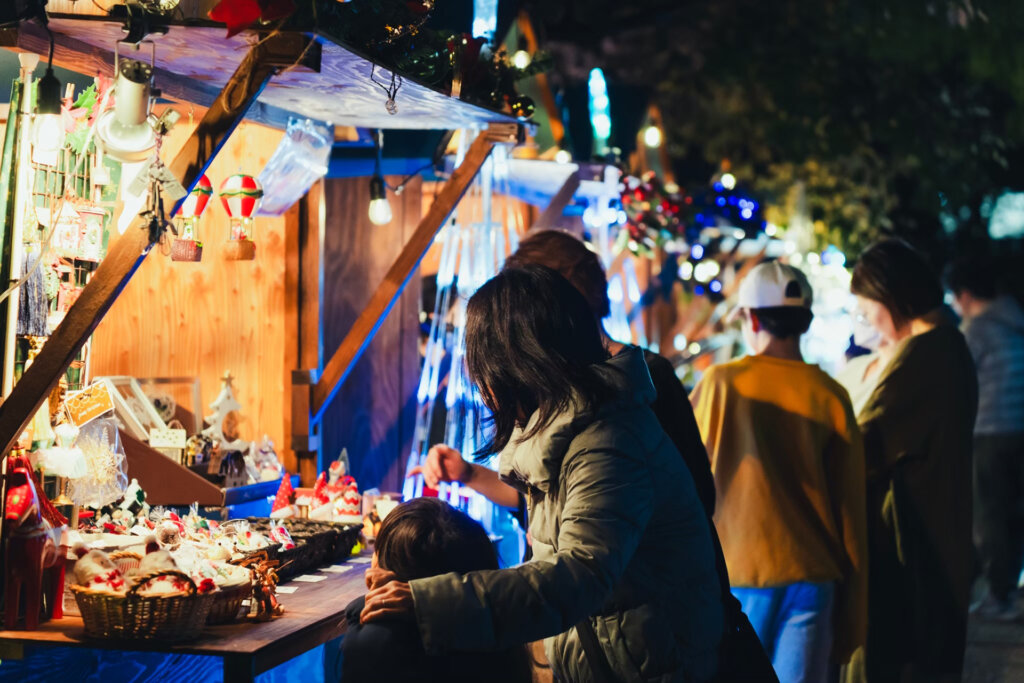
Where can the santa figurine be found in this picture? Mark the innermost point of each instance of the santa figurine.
(94, 569)
(339, 479)
(155, 561)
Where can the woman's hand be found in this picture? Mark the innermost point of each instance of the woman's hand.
(392, 600)
(443, 464)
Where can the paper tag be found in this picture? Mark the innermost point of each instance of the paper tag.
(167, 437)
(309, 578)
(337, 569)
(89, 404)
(287, 589)
(360, 560)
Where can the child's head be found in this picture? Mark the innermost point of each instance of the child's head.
(427, 537)
(775, 300)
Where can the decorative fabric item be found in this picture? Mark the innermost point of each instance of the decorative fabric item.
(65, 460)
(33, 306)
(298, 162)
(106, 479)
(241, 14)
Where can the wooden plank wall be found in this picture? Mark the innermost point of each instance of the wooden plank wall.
(200, 319)
(374, 413)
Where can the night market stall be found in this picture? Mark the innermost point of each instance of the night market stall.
(161, 242)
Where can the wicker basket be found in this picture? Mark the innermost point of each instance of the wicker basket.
(167, 618)
(125, 561)
(227, 602)
(186, 250)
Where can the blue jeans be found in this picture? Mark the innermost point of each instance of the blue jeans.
(794, 623)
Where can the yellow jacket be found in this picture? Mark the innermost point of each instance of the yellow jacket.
(788, 461)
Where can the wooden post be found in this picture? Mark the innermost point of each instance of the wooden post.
(553, 213)
(387, 293)
(128, 251)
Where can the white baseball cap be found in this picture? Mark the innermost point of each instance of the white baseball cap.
(773, 285)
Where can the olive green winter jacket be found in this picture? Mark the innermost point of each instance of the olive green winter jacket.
(618, 534)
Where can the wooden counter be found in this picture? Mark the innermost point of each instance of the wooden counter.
(313, 615)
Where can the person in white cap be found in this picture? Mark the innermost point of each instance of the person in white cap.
(788, 464)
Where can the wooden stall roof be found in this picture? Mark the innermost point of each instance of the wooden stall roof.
(195, 61)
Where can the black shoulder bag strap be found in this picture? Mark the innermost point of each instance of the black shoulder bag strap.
(596, 657)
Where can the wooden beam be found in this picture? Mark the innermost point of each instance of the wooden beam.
(81, 57)
(387, 293)
(128, 251)
(556, 207)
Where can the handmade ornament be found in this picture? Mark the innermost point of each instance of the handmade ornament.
(522, 107)
(64, 460)
(266, 461)
(90, 245)
(186, 246)
(223, 429)
(283, 502)
(279, 534)
(106, 479)
(264, 605)
(33, 304)
(241, 196)
(198, 450)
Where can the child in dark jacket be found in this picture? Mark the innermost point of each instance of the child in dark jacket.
(424, 537)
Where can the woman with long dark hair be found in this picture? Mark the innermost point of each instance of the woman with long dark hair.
(623, 583)
(918, 426)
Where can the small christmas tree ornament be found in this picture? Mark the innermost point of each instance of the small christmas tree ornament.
(187, 247)
(223, 422)
(241, 195)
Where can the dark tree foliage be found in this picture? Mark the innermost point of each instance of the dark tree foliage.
(886, 116)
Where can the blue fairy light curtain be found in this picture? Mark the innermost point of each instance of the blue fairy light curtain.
(602, 219)
(483, 230)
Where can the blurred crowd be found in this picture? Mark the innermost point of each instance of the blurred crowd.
(776, 524)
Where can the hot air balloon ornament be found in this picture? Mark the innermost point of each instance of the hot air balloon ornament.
(241, 195)
(186, 246)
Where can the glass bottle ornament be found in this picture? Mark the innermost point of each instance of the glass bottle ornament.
(241, 195)
(186, 246)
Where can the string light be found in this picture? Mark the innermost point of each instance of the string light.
(652, 137)
(380, 208)
(728, 181)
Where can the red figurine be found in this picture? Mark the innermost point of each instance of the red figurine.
(30, 548)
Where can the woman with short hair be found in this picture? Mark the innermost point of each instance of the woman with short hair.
(623, 583)
(917, 426)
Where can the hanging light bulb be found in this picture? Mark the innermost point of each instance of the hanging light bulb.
(124, 132)
(380, 208)
(563, 156)
(652, 136)
(48, 130)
